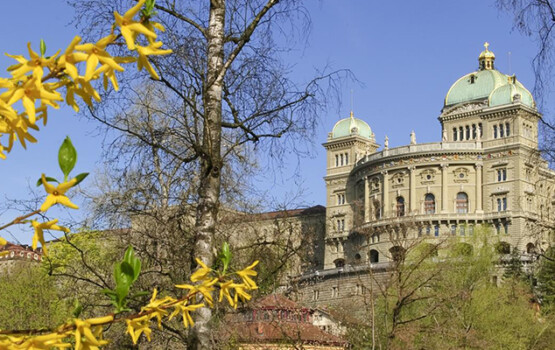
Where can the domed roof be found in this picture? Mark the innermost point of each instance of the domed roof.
(510, 92)
(475, 86)
(488, 84)
(351, 126)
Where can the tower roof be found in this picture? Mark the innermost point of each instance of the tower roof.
(488, 84)
(351, 126)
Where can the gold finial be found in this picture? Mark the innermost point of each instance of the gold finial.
(486, 58)
(352, 114)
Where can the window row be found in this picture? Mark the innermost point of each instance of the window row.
(501, 130)
(467, 132)
(430, 204)
(341, 159)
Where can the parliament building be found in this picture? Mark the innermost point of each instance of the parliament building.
(485, 173)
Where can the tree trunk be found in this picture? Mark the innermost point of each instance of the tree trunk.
(211, 162)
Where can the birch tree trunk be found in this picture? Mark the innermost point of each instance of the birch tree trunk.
(211, 161)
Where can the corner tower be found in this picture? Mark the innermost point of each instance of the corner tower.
(351, 140)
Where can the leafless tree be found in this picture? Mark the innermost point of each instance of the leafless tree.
(226, 93)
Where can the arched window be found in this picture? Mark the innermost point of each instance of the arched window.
(400, 206)
(374, 256)
(397, 253)
(462, 202)
(530, 248)
(429, 204)
(339, 263)
(377, 209)
(454, 134)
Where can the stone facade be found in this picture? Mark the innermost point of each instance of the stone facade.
(485, 173)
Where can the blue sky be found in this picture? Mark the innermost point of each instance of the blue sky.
(405, 57)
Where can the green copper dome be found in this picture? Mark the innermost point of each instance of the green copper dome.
(351, 126)
(511, 92)
(488, 84)
(475, 86)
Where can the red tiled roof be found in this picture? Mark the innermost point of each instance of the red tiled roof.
(276, 329)
(286, 332)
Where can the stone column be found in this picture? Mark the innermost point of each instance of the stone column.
(385, 194)
(444, 188)
(412, 186)
(479, 188)
(366, 199)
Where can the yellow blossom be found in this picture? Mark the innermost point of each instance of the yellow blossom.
(83, 330)
(246, 272)
(45, 341)
(225, 292)
(71, 57)
(241, 293)
(39, 233)
(138, 326)
(185, 312)
(57, 194)
(206, 289)
(130, 28)
(201, 273)
(151, 50)
(97, 54)
(36, 64)
(154, 307)
(29, 92)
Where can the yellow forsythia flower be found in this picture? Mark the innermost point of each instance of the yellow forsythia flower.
(246, 273)
(57, 194)
(138, 326)
(185, 310)
(39, 234)
(97, 54)
(206, 289)
(129, 28)
(144, 52)
(85, 337)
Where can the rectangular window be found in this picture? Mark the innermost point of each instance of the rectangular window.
(506, 228)
(495, 131)
(473, 131)
(453, 229)
(428, 230)
(336, 160)
(419, 231)
(346, 158)
(461, 230)
(454, 134)
(498, 228)
(471, 229)
(436, 230)
(507, 129)
(504, 203)
(468, 132)
(498, 204)
(501, 128)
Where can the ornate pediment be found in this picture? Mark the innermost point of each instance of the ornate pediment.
(467, 107)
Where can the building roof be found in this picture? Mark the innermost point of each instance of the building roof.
(277, 319)
(489, 85)
(351, 126)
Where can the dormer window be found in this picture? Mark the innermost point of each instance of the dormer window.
(472, 79)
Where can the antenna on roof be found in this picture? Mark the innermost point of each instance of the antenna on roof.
(510, 67)
(351, 102)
